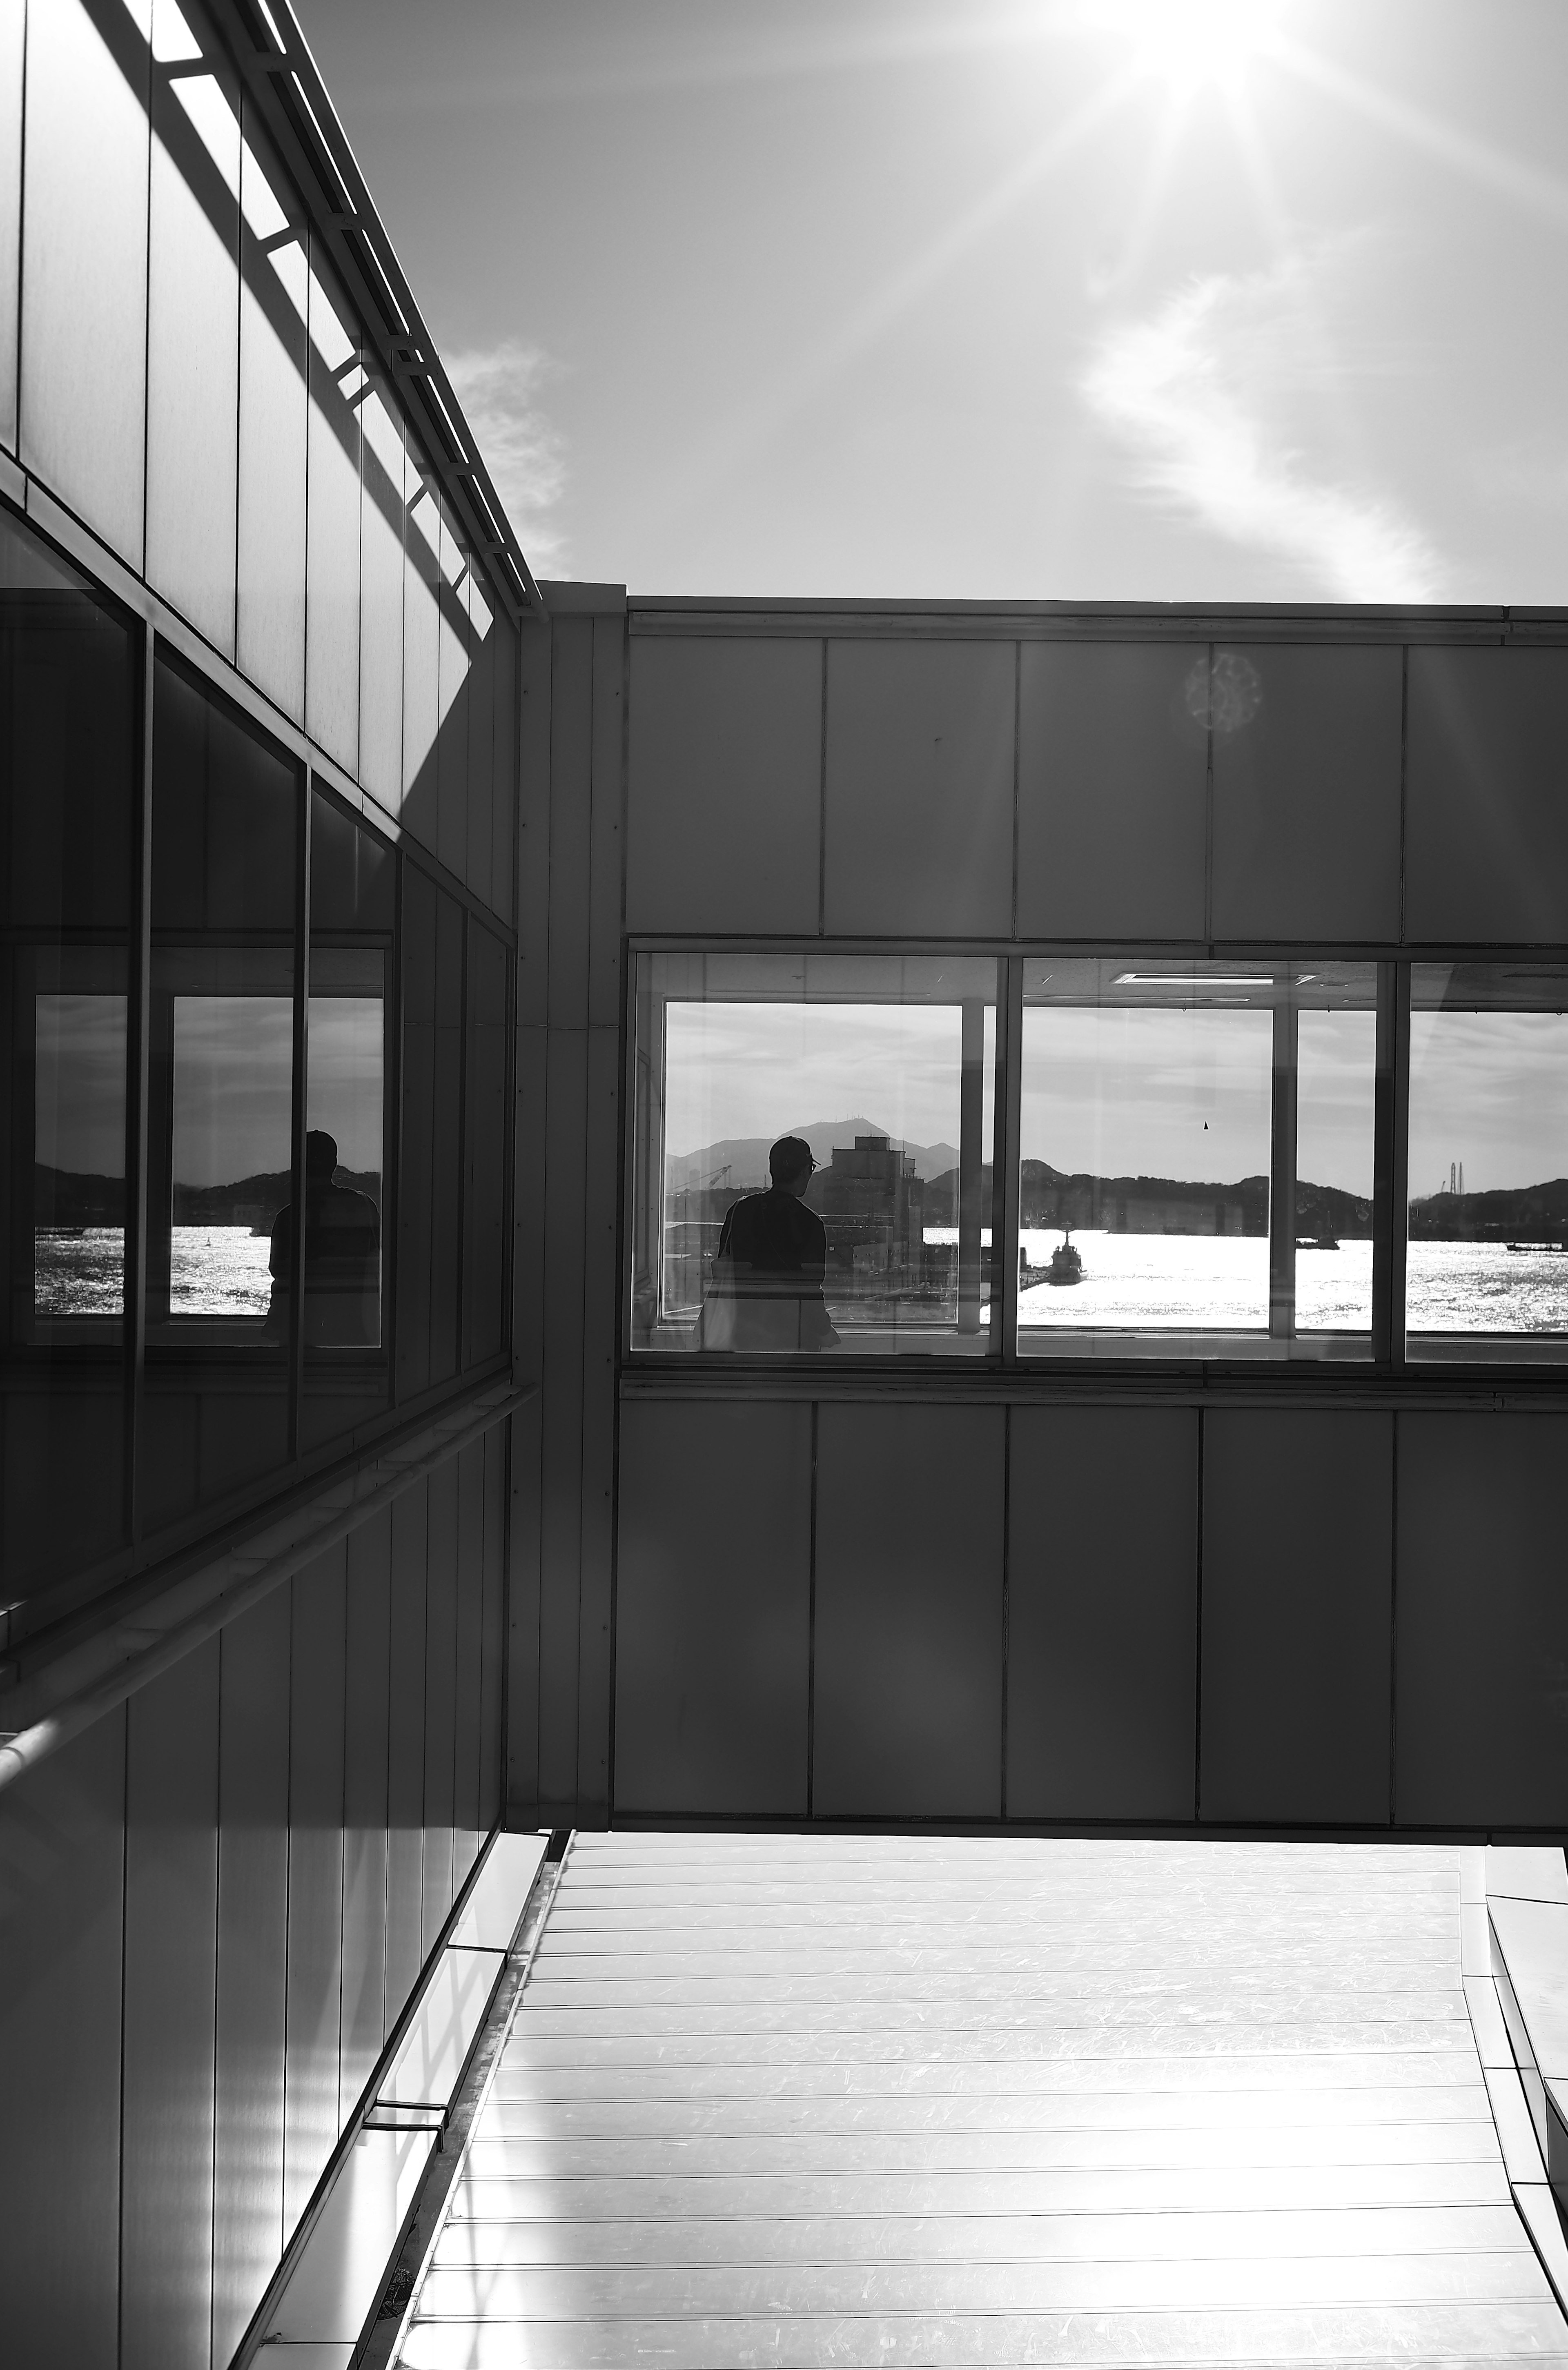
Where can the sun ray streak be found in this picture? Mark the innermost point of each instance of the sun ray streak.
(1538, 192)
(1153, 183)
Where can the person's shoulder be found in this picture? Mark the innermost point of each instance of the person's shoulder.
(351, 1207)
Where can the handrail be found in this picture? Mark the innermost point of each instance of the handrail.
(240, 1577)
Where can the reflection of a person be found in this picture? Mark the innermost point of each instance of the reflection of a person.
(777, 1250)
(342, 1256)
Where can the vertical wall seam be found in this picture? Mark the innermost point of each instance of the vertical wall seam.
(308, 242)
(1208, 805)
(1007, 1590)
(581, 1462)
(811, 1625)
(22, 220)
(1404, 771)
(217, 1937)
(124, 1955)
(133, 1317)
(464, 1178)
(624, 1138)
(342, 1852)
(402, 427)
(292, 1586)
(822, 804)
(147, 312)
(1198, 1642)
(1393, 1616)
(358, 767)
(241, 111)
(1017, 762)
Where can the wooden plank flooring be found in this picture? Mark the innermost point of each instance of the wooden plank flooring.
(853, 2100)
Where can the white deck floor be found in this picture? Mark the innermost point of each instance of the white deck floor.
(855, 2100)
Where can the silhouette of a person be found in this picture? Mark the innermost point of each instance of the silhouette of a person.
(342, 1257)
(777, 1250)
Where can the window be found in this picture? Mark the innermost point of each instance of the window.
(870, 1231)
(1196, 1159)
(345, 1292)
(67, 777)
(221, 1101)
(1486, 1256)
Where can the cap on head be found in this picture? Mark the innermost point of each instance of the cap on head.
(321, 1153)
(788, 1157)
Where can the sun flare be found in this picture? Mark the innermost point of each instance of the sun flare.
(1189, 44)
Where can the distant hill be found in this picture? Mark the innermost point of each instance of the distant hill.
(746, 1156)
(71, 1197)
(1530, 1214)
(66, 1197)
(254, 1201)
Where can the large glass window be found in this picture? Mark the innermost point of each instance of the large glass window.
(813, 1155)
(1486, 1256)
(345, 1294)
(67, 777)
(221, 1104)
(1196, 1157)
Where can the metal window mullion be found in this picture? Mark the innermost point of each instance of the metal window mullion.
(1393, 1184)
(1009, 1155)
(1282, 1168)
(138, 1014)
(392, 1132)
(301, 1092)
(464, 1176)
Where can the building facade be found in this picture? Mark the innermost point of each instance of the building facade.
(407, 966)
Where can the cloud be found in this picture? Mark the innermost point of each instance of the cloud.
(1208, 396)
(499, 387)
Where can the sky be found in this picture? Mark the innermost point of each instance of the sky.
(763, 1070)
(1107, 1091)
(1079, 299)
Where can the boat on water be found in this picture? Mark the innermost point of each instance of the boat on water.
(1066, 1264)
(1317, 1242)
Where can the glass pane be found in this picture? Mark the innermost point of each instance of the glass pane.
(67, 772)
(221, 1105)
(1336, 1100)
(79, 1145)
(1486, 1260)
(233, 1111)
(1158, 1105)
(813, 1139)
(223, 819)
(352, 906)
(343, 1148)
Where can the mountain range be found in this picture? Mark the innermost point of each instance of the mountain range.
(746, 1156)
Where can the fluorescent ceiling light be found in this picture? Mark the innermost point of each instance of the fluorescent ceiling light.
(1185, 979)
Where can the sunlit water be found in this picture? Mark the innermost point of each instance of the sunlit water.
(214, 1272)
(1185, 1282)
(219, 1271)
(1178, 1283)
(79, 1274)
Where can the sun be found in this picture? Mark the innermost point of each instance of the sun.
(1189, 44)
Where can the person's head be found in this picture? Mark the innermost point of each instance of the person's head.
(791, 1163)
(320, 1156)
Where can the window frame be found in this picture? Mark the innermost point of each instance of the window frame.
(1384, 1363)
